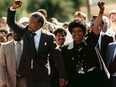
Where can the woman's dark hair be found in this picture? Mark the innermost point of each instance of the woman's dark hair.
(77, 23)
(59, 30)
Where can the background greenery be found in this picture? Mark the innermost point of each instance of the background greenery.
(63, 10)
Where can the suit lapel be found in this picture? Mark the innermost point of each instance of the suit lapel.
(112, 49)
(106, 40)
(29, 39)
(42, 42)
(13, 56)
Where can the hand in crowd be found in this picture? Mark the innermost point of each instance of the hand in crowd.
(63, 82)
(101, 6)
(17, 4)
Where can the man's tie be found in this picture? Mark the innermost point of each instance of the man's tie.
(18, 53)
(32, 41)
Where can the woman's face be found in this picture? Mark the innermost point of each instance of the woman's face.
(77, 34)
(60, 38)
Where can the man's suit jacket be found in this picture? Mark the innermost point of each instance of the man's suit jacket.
(8, 64)
(110, 54)
(46, 47)
(105, 40)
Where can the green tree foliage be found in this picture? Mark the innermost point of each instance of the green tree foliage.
(63, 10)
(76, 4)
(4, 4)
(23, 10)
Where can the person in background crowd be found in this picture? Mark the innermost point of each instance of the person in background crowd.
(38, 45)
(111, 50)
(9, 37)
(23, 21)
(9, 63)
(3, 24)
(103, 29)
(47, 25)
(109, 36)
(111, 63)
(3, 34)
(68, 36)
(79, 14)
(102, 44)
(81, 62)
(2, 40)
(112, 18)
(60, 37)
(65, 25)
(55, 22)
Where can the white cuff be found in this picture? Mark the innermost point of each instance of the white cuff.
(11, 8)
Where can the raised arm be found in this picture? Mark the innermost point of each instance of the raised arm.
(98, 20)
(11, 17)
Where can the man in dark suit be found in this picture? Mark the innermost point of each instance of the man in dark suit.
(110, 35)
(105, 40)
(33, 63)
(111, 63)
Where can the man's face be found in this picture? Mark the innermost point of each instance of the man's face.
(113, 17)
(33, 24)
(2, 38)
(3, 23)
(16, 37)
(3, 34)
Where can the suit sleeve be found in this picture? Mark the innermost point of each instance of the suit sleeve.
(58, 59)
(3, 73)
(12, 23)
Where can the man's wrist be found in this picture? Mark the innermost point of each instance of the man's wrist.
(101, 12)
(12, 9)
